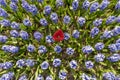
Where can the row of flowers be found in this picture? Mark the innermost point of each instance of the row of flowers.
(32, 9)
(57, 62)
(42, 49)
(47, 9)
(62, 75)
(54, 17)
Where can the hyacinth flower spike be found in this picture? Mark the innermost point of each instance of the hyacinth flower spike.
(59, 39)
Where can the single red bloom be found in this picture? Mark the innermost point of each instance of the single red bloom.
(58, 35)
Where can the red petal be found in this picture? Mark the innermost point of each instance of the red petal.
(58, 35)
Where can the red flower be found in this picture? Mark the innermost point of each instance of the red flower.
(58, 35)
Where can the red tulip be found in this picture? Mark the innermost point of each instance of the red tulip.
(58, 35)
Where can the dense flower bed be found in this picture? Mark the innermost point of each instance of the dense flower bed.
(59, 40)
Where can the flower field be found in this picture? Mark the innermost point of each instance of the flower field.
(59, 39)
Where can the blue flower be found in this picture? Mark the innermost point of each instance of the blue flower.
(11, 49)
(24, 35)
(85, 77)
(3, 3)
(104, 4)
(116, 31)
(117, 6)
(62, 75)
(3, 13)
(39, 77)
(49, 39)
(7, 65)
(49, 78)
(25, 5)
(108, 76)
(118, 46)
(76, 34)
(86, 4)
(107, 34)
(54, 17)
(15, 25)
(44, 65)
(7, 76)
(13, 6)
(59, 3)
(42, 49)
(33, 9)
(112, 47)
(70, 51)
(14, 1)
(66, 36)
(93, 77)
(27, 22)
(99, 46)
(5, 22)
(97, 22)
(37, 35)
(30, 62)
(87, 49)
(89, 64)
(94, 32)
(31, 48)
(43, 22)
(56, 62)
(94, 7)
(114, 58)
(3, 38)
(73, 64)
(40, 1)
(6, 48)
(81, 21)
(20, 63)
(118, 40)
(99, 57)
(75, 4)
(14, 33)
(23, 77)
(110, 19)
(118, 19)
(66, 19)
(58, 49)
(47, 9)
(14, 49)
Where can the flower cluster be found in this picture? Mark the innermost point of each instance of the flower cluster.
(25, 62)
(10, 48)
(6, 65)
(7, 76)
